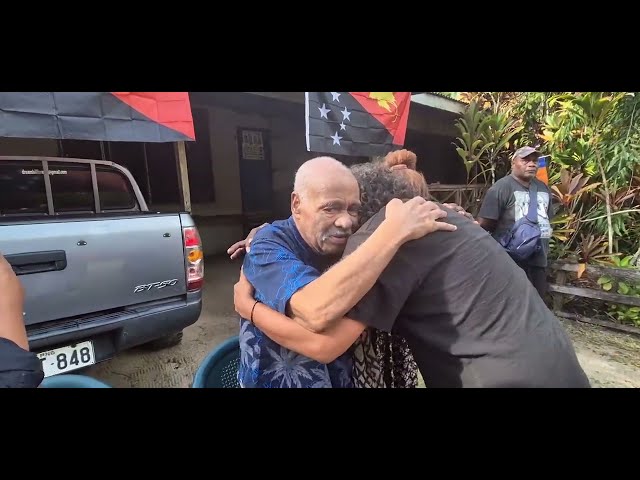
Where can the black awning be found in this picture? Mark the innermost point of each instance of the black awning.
(107, 116)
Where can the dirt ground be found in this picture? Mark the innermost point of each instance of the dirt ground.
(611, 359)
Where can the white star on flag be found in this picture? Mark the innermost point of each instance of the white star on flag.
(351, 124)
(323, 111)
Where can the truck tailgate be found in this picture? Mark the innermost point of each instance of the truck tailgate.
(81, 266)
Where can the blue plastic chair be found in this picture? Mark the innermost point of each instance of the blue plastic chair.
(72, 381)
(220, 367)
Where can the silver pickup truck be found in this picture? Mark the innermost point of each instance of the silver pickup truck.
(101, 272)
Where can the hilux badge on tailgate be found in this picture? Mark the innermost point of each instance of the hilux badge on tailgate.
(158, 285)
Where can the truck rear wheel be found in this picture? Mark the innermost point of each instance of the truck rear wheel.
(167, 341)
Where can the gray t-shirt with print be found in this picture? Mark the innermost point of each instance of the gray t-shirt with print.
(508, 200)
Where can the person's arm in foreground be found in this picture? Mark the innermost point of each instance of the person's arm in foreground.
(11, 306)
(379, 308)
(323, 347)
(18, 366)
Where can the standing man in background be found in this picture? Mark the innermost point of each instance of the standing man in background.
(507, 201)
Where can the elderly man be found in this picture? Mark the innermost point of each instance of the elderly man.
(19, 368)
(507, 201)
(469, 314)
(287, 261)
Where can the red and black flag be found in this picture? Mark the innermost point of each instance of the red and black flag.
(356, 123)
(106, 116)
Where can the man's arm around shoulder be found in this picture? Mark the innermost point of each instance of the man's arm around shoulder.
(327, 299)
(379, 309)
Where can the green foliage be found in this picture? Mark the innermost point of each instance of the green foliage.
(593, 143)
(454, 95)
(593, 139)
(484, 141)
(472, 141)
(622, 313)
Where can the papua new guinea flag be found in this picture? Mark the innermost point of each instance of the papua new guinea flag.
(356, 123)
(106, 116)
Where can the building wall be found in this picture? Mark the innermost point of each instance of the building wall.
(288, 152)
(437, 157)
(29, 146)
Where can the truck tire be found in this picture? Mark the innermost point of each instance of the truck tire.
(167, 341)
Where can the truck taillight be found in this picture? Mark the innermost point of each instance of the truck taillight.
(194, 258)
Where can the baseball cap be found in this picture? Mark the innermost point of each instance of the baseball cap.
(525, 151)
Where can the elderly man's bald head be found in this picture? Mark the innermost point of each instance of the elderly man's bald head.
(318, 171)
(325, 203)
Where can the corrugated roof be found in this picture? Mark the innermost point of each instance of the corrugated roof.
(444, 96)
(439, 102)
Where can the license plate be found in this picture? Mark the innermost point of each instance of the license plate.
(66, 359)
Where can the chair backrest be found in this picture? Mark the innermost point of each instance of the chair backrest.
(220, 367)
(72, 381)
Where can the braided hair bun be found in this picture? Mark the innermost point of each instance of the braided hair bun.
(404, 162)
(399, 158)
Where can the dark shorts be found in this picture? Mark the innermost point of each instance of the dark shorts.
(18, 367)
(537, 276)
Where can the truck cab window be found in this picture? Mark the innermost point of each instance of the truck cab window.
(115, 190)
(71, 188)
(22, 188)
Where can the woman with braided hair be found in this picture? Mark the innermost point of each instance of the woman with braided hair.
(382, 359)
